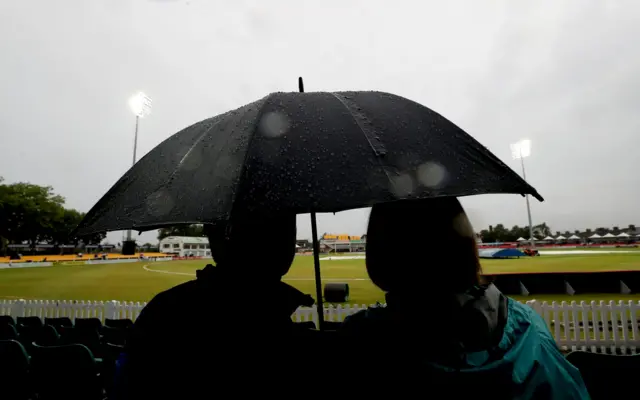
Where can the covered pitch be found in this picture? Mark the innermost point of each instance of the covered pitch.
(500, 253)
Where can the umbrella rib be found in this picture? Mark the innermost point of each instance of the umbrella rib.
(246, 155)
(362, 129)
(186, 155)
(177, 167)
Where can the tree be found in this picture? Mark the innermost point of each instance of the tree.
(95, 238)
(519, 232)
(486, 236)
(35, 214)
(496, 234)
(62, 234)
(542, 230)
(500, 231)
(29, 213)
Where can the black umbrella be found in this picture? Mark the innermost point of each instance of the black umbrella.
(302, 153)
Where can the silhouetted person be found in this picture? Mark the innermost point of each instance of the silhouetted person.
(224, 333)
(443, 333)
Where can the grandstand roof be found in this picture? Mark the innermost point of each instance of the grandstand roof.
(609, 235)
(561, 238)
(574, 237)
(337, 236)
(187, 239)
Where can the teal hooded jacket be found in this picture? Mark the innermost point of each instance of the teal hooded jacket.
(521, 362)
(530, 357)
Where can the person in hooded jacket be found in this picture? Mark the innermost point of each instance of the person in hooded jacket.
(225, 332)
(444, 333)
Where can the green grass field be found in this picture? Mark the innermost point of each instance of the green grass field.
(132, 282)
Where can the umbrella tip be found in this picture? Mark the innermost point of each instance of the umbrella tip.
(536, 195)
(300, 85)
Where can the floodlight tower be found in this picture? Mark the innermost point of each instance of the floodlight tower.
(140, 104)
(520, 150)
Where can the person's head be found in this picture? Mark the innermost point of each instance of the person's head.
(422, 247)
(257, 246)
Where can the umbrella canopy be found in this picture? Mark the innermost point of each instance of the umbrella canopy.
(623, 235)
(521, 239)
(302, 152)
(561, 238)
(574, 237)
(548, 238)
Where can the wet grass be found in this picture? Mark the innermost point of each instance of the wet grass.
(133, 283)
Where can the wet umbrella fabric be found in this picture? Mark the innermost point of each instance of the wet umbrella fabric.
(298, 152)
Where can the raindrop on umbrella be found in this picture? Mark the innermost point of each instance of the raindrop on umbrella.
(274, 124)
(402, 185)
(431, 174)
(160, 203)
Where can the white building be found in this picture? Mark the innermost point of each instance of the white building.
(184, 246)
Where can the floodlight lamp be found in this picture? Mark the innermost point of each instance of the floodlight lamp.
(140, 104)
(521, 149)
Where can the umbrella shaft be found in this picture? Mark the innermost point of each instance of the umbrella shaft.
(316, 268)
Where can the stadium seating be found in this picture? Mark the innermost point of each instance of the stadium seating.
(27, 335)
(607, 376)
(8, 332)
(29, 321)
(117, 336)
(304, 325)
(88, 323)
(332, 326)
(58, 322)
(14, 370)
(7, 320)
(51, 367)
(118, 323)
(40, 356)
(86, 337)
(47, 336)
(310, 325)
(74, 257)
(110, 355)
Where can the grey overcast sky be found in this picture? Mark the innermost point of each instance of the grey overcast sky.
(561, 73)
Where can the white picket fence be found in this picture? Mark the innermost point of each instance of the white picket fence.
(596, 325)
